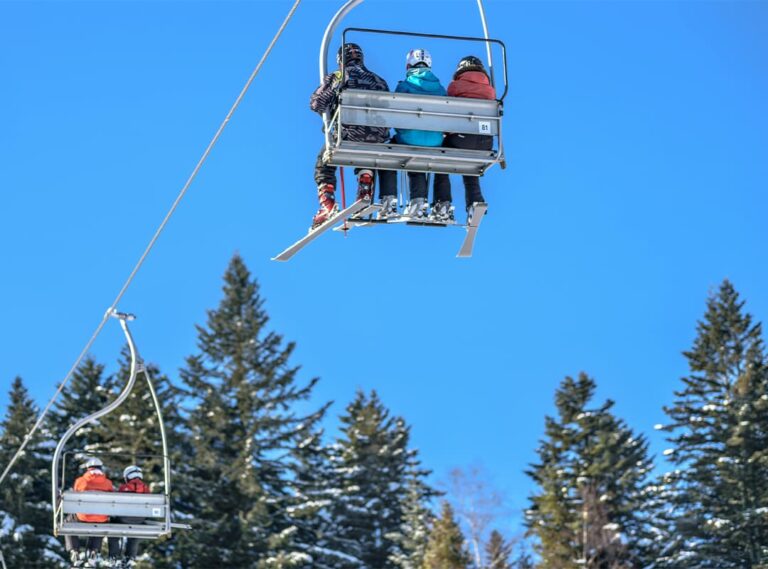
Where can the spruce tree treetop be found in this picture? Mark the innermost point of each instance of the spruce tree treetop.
(592, 478)
(498, 552)
(370, 462)
(243, 425)
(379, 510)
(719, 432)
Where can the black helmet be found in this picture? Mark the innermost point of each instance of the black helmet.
(351, 51)
(469, 63)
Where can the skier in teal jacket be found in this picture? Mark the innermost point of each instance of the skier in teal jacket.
(419, 80)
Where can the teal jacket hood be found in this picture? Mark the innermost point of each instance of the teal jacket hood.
(421, 80)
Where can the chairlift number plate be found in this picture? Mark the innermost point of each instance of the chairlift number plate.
(484, 127)
(157, 512)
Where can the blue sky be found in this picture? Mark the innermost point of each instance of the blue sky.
(637, 141)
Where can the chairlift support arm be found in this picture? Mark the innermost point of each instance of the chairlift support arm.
(351, 4)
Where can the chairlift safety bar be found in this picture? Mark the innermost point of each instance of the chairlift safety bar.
(438, 36)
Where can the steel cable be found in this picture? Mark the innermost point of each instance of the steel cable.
(152, 242)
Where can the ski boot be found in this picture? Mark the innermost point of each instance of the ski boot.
(442, 212)
(416, 209)
(471, 211)
(365, 185)
(77, 558)
(388, 207)
(328, 207)
(92, 559)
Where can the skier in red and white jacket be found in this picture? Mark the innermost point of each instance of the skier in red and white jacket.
(134, 482)
(470, 80)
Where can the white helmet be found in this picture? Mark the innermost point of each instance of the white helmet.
(132, 472)
(93, 462)
(417, 56)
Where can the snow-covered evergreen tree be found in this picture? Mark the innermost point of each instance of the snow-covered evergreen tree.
(446, 548)
(719, 435)
(242, 422)
(411, 539)
(591, 503)
(25, 497)
(314, 492)
(373, 470)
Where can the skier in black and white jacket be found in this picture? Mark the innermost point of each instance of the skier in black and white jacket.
(325, 99)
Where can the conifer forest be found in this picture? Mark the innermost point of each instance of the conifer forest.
(263, 486)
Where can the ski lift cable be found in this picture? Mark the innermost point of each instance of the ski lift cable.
(113, 307)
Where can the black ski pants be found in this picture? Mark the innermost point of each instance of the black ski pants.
(326, 174)
(131, 543)
(472, 191)
(417, 186)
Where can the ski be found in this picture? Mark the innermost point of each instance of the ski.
(359, 219)
(472, 225)
(313, 234)
(429, 223)
(371, 209)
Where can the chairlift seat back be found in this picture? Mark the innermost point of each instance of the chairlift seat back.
(115, 504)
(420, 112)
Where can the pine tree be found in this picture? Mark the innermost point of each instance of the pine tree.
(446, 547)
(25, 497)
(498, 552)
(373, 470)
(242, 425)
(591, 504)
(719, 433)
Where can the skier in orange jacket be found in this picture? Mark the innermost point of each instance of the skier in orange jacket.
(92, 480)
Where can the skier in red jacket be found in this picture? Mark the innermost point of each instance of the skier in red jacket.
(470, 80)
(134, 482)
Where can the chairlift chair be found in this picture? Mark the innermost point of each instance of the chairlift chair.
(411, 111)
(407, 111)
(154, 508)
